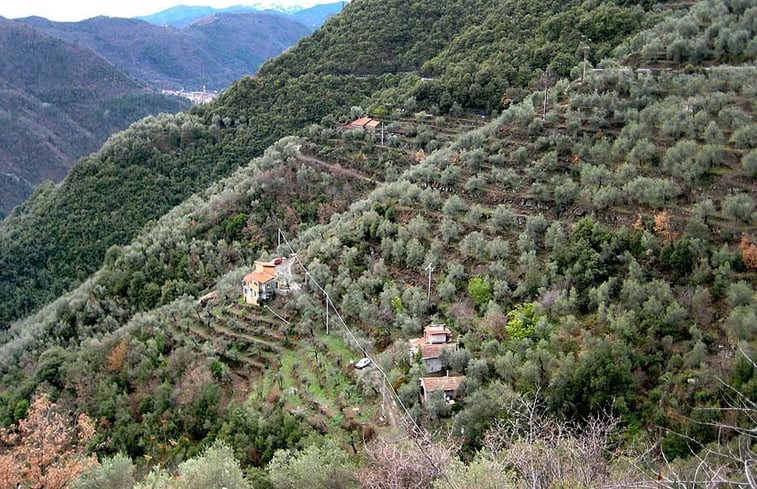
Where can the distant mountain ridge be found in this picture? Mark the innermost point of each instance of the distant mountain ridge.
(181, 16)
(213, 53)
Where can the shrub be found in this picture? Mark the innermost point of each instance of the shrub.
(522, 321)
(315, 467)
(115, 472)
(480, 290)
(655, 192)
(739, 207)
(454, 206)
(749, 163)
(745, 137)
(502, 217)
(473, 246)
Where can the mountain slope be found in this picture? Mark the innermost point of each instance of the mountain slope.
(212, 53)
(474, 51)
(59, 237)
(595, 252)
(61, 106)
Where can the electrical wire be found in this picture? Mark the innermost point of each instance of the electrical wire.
(412, 423)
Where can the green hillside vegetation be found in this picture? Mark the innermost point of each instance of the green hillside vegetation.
(595, 251)
(62, 106)
(299, 88)
(474, 52)
(60, 235)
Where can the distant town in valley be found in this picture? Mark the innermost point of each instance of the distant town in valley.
(201, 97)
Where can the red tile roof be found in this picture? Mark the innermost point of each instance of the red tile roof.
(446, 384)
(360, 122)
(260, 277)
(435, 351)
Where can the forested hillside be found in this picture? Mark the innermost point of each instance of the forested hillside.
(212, 52)
(592, 248)
(472, 51)
(60, 107)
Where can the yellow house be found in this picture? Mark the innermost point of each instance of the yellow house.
(260, 285)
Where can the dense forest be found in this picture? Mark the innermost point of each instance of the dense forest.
(590, 242)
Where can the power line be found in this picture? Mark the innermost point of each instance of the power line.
(276, 314)
(416, 428)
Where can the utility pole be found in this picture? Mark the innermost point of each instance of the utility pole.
(586, 61)
(430, 269)
(327, 314)
(546, 94)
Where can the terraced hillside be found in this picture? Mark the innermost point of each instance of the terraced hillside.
(592, 250)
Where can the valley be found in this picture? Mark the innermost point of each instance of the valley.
(95, 77)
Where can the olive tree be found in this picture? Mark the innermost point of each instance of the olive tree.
(316, 467)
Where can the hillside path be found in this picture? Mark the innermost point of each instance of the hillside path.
(335, 168)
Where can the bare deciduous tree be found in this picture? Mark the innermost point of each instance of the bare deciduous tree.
(46, 450)
(399, 462)
(729, 462)
(544, 451)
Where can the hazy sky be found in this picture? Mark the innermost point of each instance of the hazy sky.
(73, 10)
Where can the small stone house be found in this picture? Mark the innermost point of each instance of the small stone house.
(365, 123)
(372, 125)
(449, 386)
(431, 355)
(260, 285)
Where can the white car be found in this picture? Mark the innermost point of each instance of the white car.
(362, 363)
